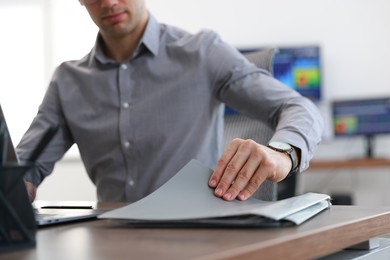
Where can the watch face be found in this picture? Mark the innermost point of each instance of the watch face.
(280, 146)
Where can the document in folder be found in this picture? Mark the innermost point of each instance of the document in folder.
(186, 200)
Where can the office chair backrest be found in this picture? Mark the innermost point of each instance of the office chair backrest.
(237, 125)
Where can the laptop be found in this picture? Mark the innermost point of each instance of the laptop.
(14, 192)
(44, 217)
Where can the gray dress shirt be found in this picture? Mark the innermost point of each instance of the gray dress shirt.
(136, 123)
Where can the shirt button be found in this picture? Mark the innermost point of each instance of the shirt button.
(126, 144)
(131, 183)
(124, 66)
(125, 105)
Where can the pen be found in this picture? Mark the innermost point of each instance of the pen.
(67, 207)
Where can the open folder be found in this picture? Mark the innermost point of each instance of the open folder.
(186, 200)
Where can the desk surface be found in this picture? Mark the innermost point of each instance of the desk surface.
(330, 231)
(349, 164)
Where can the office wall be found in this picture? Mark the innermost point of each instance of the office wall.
(354, 35)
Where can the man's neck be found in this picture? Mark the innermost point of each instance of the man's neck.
(121, 48)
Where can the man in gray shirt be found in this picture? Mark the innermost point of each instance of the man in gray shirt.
(150, 97)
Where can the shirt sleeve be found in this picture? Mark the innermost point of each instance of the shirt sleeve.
(49, 114)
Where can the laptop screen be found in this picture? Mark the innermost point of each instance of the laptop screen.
(7, 149)
(17, 222)
(13, 188)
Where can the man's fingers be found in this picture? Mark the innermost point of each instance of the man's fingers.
(239, 169)
(243, 168)
(247, 176)
(233, 167)
(254, 183)
(223, 162)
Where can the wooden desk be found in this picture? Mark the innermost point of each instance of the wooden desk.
(349, 164)
(332, 230)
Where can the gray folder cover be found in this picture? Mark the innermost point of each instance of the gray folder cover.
(187, 198)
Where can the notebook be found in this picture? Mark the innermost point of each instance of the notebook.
(14, 191)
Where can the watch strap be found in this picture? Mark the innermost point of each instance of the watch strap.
(293, 157)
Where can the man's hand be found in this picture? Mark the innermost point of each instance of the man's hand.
(244, 166)
(31, 190)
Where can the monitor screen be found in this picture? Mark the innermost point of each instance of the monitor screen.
(367, 117)
(299, 68)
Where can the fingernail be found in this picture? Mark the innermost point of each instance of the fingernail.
(227, 196)
(213, 183)
(241, 196)
(218, 192)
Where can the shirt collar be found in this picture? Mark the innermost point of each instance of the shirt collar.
(151, 37)
(149, 40)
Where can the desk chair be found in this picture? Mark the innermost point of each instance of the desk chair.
(237, 125)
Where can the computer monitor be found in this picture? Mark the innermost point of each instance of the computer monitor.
(366, 117)
(299, 68)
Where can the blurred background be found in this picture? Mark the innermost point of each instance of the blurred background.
(352, 38)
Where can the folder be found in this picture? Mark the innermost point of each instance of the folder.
(186, 200)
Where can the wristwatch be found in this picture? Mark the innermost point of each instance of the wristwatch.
(289, 150)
